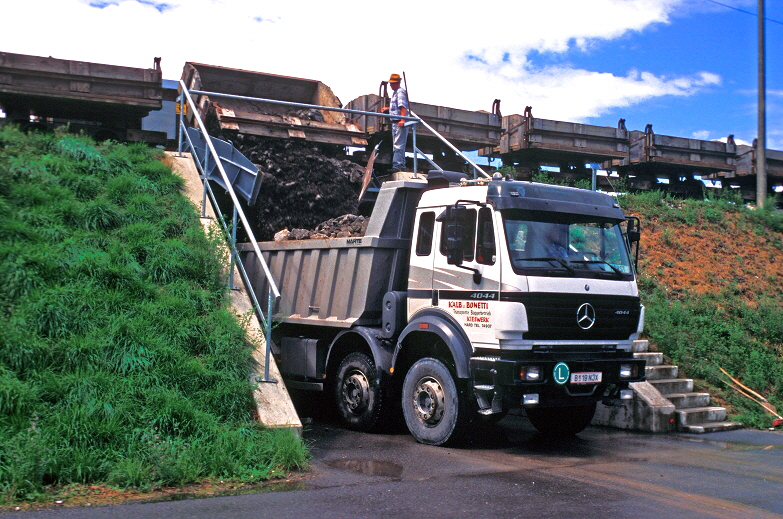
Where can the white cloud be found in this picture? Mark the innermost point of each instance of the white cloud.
(701, 135)
(452, 56)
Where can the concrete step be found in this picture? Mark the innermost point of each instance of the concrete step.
(709, 427)
(653, 358)
(662, 372)
(700, 415)
(689, 400)
(640, 345)
(675, 385)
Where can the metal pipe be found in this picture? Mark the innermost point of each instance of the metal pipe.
(243, 218)
(181, 125)
(416, 150)
(761, 141)
(268, 335)
(415, 155)
(450, 145)
(233, 249)
(304, 105)
(205, 181)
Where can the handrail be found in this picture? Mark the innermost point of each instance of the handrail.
(231, 193)
(413, 117)
(450, 145)
(304, 105)
(274, 293)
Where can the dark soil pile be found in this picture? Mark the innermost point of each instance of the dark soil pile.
(302, 184)
(345, 226)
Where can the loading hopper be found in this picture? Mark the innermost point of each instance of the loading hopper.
(251, 117)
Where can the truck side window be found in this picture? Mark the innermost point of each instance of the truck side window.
(424, 238)
(468, 237)
(485, 244)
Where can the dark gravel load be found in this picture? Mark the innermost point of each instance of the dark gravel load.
(302, 184)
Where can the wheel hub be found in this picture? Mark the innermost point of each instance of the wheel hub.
(429, 401)
(356, 391)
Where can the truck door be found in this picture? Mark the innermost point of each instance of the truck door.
(420, 272)
(470, 289)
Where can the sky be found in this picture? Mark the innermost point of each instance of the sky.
(688, 67)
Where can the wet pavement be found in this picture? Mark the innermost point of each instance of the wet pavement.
(508, 471)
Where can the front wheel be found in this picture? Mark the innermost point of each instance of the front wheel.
(435, 411)
(357, 392)
(561, 421)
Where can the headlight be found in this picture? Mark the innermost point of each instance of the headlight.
(628, 371)
(530, 373)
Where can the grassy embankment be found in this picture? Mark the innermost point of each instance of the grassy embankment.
(120, 363)
(711, 279)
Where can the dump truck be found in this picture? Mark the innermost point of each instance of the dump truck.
(461, 302)
(104, 101)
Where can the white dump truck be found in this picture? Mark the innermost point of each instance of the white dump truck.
(462, 301)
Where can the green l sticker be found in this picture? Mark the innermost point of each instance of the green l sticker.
(561, 373)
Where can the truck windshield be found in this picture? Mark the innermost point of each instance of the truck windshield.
(540, 246)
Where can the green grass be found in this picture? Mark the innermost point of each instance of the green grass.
(722, 329)
(119, 361)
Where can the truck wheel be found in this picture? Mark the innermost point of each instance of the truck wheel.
(434, 409)
(357, 392)
(561, 421)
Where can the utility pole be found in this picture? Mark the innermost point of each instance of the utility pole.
(761, 141)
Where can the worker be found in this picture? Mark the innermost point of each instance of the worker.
(398, 106)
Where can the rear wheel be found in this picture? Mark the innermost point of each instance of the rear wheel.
(435, 410)
(561, 421)
(357, 392)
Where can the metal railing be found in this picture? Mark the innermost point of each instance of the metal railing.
(273, 296)
(413, 118)
(274, 293)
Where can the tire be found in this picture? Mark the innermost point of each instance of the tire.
(435, 410)
(357, 392)
(561, 421)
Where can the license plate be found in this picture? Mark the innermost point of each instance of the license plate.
(586, 378)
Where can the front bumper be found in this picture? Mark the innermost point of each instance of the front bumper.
(499, 386)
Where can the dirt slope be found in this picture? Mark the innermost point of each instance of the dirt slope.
(711, 251)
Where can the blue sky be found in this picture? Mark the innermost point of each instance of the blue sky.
(688, 67)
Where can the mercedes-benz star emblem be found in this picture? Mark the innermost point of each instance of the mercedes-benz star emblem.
(585, 316)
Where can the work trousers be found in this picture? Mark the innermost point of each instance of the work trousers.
(399, 139)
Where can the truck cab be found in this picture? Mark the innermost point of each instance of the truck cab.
(536, 284)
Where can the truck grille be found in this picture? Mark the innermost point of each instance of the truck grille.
(554, 316)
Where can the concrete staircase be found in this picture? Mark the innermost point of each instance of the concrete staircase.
(664, 402)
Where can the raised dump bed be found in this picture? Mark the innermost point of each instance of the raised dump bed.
(340, 282)
(60, 90)
(266, 119)
(466, 130)
(528, 137)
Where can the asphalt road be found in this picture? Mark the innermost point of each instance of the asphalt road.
(510, 471)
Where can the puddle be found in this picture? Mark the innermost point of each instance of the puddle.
(736, 446)
(369, 467)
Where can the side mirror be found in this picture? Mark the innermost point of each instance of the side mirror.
(453, 219)
(634, 232)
